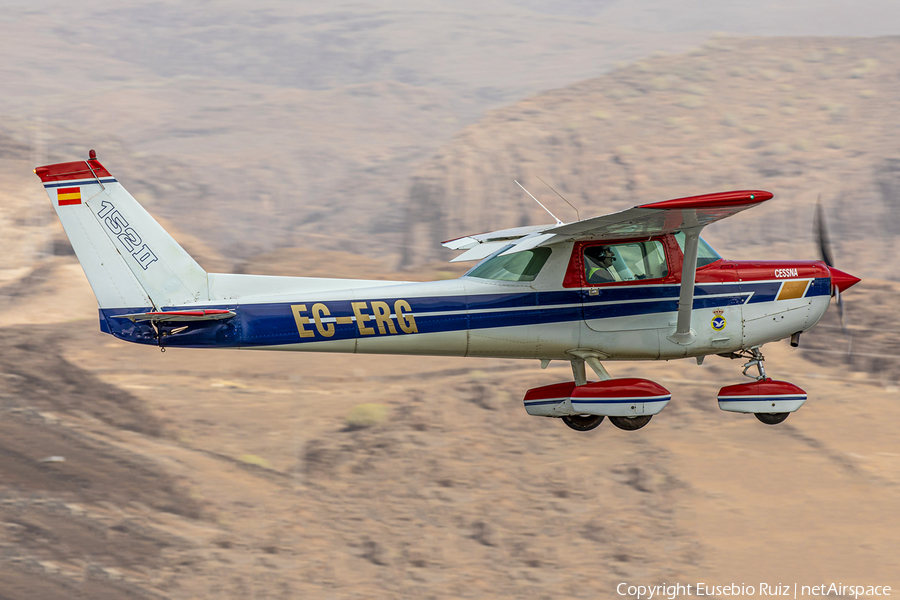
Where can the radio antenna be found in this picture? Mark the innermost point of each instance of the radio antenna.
(577, 216)
(558, 222)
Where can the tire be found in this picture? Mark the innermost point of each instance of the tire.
(630, 423)
(583, 422)
(771, 418)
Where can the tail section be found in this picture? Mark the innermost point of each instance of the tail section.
(129, 259)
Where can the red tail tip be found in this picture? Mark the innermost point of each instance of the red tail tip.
(842, 280)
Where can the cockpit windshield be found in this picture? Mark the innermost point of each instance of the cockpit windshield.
(521, 266)
(705, 254)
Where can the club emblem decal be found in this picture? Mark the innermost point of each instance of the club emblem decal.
(718, 321)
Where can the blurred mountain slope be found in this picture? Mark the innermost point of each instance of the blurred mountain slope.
(282, 123)
(797, 116)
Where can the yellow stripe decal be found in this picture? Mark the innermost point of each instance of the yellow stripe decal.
(793, 289)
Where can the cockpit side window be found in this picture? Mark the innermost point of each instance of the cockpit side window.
(705, 253)
(521, 266)
(625, 262)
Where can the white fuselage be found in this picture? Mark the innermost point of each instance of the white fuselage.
(479, 317)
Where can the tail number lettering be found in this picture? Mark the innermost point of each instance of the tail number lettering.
(117, 225)
(370, 317)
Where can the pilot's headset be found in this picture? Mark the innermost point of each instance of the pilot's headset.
(605, 257)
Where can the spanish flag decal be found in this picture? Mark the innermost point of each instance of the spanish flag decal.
(68, 196)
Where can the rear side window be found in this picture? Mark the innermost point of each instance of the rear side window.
(625, 262)
(521, 266)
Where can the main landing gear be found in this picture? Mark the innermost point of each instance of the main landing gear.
(583, 422)
(629, 403)
(630, 423)
(588, 422)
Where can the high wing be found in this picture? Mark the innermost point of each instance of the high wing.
(643, 221)
(688, 215)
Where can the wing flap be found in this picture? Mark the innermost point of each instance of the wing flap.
(479, 251)
(463, 243)
(529, 242)
(504, 235)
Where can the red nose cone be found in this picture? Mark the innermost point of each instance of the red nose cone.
(842, 280)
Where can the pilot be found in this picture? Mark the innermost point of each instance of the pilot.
(598, 261)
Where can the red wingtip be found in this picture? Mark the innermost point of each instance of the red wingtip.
(841, 280)
(735, 198)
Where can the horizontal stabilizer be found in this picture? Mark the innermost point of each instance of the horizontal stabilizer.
(179, 315)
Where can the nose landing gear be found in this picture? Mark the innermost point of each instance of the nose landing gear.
(769, 400)
(772, 418)
(756, 360)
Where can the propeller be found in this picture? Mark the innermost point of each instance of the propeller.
(822, 237)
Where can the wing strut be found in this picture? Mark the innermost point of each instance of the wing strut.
(683, 334)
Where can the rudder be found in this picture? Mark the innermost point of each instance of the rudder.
(128, 258)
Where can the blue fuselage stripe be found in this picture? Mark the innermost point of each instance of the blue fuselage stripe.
(275, 324)
(618, 401)
(77, 183)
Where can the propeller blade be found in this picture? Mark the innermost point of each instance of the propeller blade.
(824, 241)
(848, 335)
(821, 231)
(840, 308)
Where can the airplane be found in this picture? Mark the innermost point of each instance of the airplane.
(640, 284)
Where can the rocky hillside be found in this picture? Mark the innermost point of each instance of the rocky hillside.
(797, 116)
(279, 123)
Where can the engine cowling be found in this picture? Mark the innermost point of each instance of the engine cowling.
(625, 397)
(766, 396)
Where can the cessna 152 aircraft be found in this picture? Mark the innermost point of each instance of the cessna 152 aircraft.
(634, 285)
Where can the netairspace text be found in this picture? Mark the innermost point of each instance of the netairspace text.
(783, 590)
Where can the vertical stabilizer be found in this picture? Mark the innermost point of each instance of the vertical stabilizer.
(129, 259)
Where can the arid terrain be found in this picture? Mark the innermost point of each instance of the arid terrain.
(352, 148)
(127, 472)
